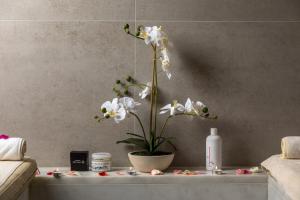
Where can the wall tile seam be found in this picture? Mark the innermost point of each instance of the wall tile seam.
(75, 20)
(134, 65)
(155, 21)
(220, 21)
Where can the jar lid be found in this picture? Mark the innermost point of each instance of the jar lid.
(101, 155)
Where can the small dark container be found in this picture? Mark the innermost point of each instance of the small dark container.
(79, 160)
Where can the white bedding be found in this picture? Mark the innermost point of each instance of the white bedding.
(287, 174)
(15, 177)
(7, 168)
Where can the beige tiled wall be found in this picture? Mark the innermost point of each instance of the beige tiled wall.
(59, 60)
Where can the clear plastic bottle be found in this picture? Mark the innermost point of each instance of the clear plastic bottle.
(213, 150)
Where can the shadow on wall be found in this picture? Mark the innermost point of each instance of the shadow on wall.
(206, 75)
(195, 63)
(209, 66)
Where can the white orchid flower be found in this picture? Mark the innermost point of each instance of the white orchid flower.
(152, 35)
(202, 108)
(113, 110)
(200, 105)
(173, 108)
(165, 62)
(146, 91)
(194, 108)
(128, 103)
(190, 107)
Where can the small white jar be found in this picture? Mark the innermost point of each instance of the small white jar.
(101, 162)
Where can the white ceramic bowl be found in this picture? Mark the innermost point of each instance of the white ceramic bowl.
(148, 163)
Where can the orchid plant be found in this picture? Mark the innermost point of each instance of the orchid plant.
(124, 105)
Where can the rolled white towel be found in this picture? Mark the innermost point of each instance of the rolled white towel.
(12, 149)
(290, 147)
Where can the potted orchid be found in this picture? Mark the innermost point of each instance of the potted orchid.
(149, 141)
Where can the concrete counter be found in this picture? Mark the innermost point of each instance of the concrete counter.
(119, 185)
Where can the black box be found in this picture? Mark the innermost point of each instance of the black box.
(79, 160)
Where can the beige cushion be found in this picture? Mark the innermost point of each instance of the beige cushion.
(287, 174)
(17, 182)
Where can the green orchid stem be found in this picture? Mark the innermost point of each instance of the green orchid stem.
(164, 126)
(129, 33)
(153, 108)
(101, 119)
(140, 122)
(155, 90)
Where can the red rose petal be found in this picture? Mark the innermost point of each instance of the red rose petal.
(49, 173)
(102, 174)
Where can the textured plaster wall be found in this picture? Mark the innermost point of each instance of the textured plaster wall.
(60, 58)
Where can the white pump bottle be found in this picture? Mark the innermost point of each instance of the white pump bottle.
(213, 150)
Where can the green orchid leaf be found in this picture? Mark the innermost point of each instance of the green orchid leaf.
(135, 141)
(136, 135)
(163, 140)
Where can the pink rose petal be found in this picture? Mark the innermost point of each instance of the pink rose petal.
(177, 171)
(121, 173)
(3, 136)
(243, 171)
(155, 172)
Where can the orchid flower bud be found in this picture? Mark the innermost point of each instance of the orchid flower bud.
(126, 28)
(129, 79)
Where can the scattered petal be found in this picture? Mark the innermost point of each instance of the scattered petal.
(243, 171)
(103, 173)
(50, 173)
(177, 171)
(4, 136)
(120, 173)
(155, 172)
(186, 172)
(72, 173)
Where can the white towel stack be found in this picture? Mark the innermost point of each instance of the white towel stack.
(290, 147)
(12, 149)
